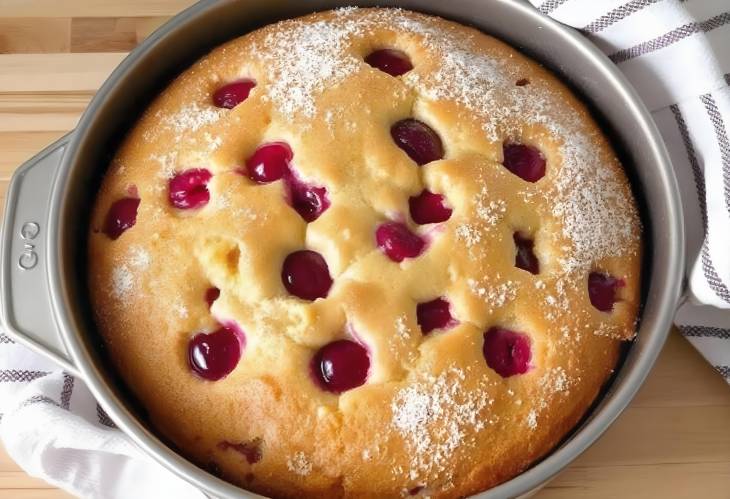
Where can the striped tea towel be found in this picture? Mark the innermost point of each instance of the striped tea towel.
(54, 429)
(677, 55)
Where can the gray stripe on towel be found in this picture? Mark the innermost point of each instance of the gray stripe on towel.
(704, 332)
(619, 13)
(670, 38)
(708, 268)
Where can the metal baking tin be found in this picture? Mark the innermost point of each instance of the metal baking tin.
(44, 297)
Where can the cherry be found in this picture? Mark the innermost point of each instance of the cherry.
(525, 258)
(211, 295)
(398, 242)
(189, 189)
(434, 314)
(305, 274)
(340, 366)
(232, 94)
(393, 62)
(418, 140)
(214, 355)
(524, 161)
(308, 200)
(602, 290)
(121, 216)
(507, 352)
(428, 208)
(269, 162)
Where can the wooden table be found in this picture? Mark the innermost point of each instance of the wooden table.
(672, 442)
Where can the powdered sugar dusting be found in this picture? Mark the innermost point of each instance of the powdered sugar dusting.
(168, 164)
(191, 118)
(490, 211)
(469, 234)
(303, 59)
(599, 220)
(404, 332)
(555, 380)
(139, 258)
(495, 296)
(122, 282)
(435, 417)
(299, 464)
(531, 419)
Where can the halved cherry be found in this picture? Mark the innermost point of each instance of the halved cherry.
(429, 208)
(305, 274)
(232, 94)
(419, 141)
(121, 216)
(525, 258)
(270, 162)
(507, 352)
(435, 314)
(602, 290)
(189, 189)
(391, 61)
(213, 356)
(398, 242)
(308, 200)
(340, 366)
(524, 161)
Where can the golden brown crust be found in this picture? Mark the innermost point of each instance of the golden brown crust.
(432, 413)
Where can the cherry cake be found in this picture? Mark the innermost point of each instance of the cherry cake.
(365, 253)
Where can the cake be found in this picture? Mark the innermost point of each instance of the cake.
(365, 253)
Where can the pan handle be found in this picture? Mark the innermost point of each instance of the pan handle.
(25, 311)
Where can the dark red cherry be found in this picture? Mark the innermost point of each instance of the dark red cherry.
(213, 356)
(507, 352)
(434, 314)
(308, 200)
(269, 162)
(393, 62)
(428, 208)
(602, 289)
(189, 189)
(121, 216)
(418, 140)
(305, 274)
(398, 242)
(211, 295)
(525, 258)
(232, 94)
(524, 161)
(340, 366)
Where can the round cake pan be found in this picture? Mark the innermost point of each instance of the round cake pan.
(43, 261)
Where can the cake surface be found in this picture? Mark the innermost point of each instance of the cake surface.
(365, 253)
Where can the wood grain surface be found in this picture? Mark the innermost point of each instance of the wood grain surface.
(672, 442)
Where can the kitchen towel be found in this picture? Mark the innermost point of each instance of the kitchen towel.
(677, 55)
(52, 426)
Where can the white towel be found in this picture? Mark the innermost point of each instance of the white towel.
(677, 55)
(54, 429)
